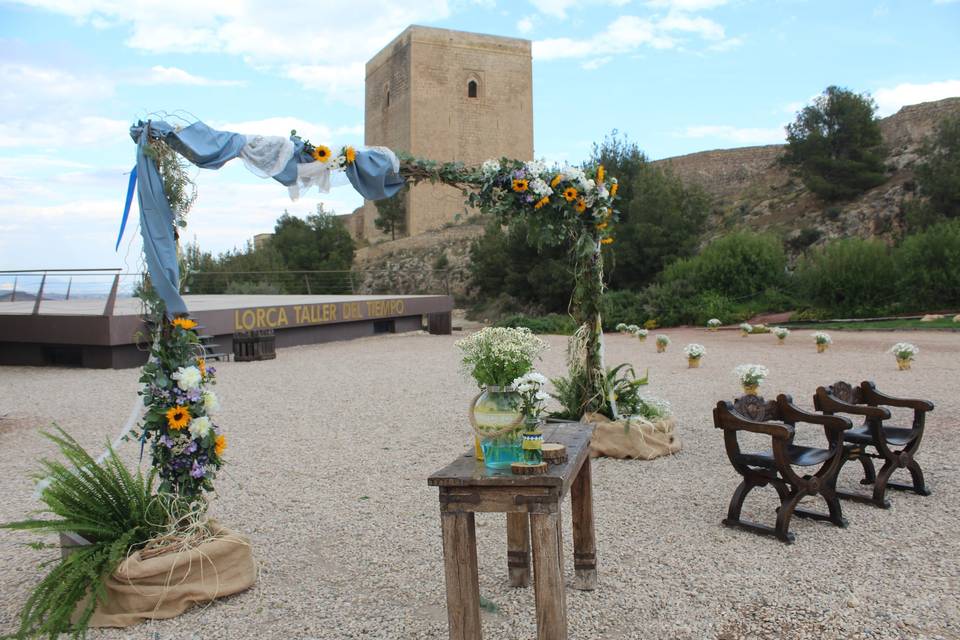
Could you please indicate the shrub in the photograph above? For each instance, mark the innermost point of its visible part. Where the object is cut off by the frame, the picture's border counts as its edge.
(552, 323)
(625, 307)
(851, 276)
(928, 264)
(938, 175)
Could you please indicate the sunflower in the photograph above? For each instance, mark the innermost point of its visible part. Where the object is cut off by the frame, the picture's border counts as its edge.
(581, 205)
(542, 202)
(350, 154)
(321, 153)
(607, 241)
(178, 417)
(570, 194)
(220, 444)
(602, 226)
(184, 323)
(520, 186)
(600, 173)
(202, 365)
(613, 190)
(556, 180)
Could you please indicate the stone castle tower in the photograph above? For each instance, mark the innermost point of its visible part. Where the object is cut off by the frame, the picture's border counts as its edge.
(447, 96)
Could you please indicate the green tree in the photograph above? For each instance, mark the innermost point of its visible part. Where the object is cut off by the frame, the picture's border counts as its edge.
(837, 145)
(851, 277)
(392, 214)
(928, 265)
(318, 243)
(938, 175)
(661, 219)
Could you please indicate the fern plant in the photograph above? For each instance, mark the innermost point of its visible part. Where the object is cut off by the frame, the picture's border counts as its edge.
(112, 508)
(621, 381)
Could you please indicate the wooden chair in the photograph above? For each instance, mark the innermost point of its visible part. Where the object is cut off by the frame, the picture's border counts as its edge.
(778, 419)
(896, 446)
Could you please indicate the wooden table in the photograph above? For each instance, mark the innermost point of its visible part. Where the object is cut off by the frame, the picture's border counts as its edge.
(532, 504)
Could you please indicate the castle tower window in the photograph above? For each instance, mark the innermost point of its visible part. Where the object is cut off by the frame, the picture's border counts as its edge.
(472, 89)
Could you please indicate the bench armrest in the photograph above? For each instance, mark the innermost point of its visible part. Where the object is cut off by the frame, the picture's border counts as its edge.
(725, 417)
(827, 402)
(870, 394)
(793, 413)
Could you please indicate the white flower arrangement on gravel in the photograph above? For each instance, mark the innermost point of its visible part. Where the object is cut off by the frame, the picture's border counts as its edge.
(746, 327)
(781, 333)
(714, 323)
(621, 327)
(904, 350)
(663, 339)
(654, 408)
(821, 337)
(751, 375)
(638, 332)
(695, 351)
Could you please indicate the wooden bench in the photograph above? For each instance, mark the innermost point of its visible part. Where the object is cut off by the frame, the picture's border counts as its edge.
(533, 507)
(895, 445)
(778, 419)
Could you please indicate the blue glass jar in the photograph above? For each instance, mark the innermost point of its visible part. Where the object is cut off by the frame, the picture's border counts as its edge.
(497, 413)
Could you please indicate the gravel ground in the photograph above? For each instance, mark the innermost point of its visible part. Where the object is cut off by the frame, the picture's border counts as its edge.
(331, 445)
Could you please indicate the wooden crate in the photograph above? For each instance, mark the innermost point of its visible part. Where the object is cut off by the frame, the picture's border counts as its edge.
(260, 344)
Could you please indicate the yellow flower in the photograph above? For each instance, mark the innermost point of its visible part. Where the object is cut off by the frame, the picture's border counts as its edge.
(178, 417)
(202, 365)
(613, 190)
(581, 205)
(183, 323)
(600, 173)
(321, 153)
(542, 202)
(519, 186)
(607, 241)
(602, 226)
(350, 154)
(570, 194)
(220, 444)
(556, 180)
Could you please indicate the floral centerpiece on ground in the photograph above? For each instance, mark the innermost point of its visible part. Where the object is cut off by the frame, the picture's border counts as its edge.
(533, 399)
(662, 342)
(745, 329)
(823, 341)
(713, 324)
(186, 445)
(639, 333)
(622, 327)
(781, 333)
(905, 353)
(494, 357)
(750, 376)
(694, 353)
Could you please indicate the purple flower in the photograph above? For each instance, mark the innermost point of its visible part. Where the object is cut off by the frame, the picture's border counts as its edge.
(166, 441)
(528, 198)
(193, 395)
(196, 471)
(192, 447)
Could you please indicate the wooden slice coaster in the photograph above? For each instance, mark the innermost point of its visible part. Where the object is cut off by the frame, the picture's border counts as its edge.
(554, 452)
(522, 469)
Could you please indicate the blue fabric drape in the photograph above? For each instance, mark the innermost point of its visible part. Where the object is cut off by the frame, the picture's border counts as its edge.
(156, 227)
(371, 174)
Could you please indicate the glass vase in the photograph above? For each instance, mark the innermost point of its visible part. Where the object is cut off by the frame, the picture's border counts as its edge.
(532, 441)
(499, 426)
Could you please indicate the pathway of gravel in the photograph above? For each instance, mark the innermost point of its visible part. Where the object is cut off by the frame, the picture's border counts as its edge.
(330, 447)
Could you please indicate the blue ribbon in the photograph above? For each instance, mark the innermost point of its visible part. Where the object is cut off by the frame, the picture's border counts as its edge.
(126, 207)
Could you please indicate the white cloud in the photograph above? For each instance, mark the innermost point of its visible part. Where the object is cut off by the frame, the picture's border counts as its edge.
(323, 46)
(628, 33)
(65, 133)
(738, 135)
(525, 25)
(174, 75)
(945, 1)
(559, 8)
(686, 5)
(595, 63)
(282, 125)
(890, 100)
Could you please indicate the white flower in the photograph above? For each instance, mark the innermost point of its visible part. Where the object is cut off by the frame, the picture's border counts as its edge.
(540, 187)
(586, 185)
(662, 339)
(638, 332)
(822, 337)
(543, 396)
(535, 167)
(714, 322)
(746, 327)
(904, 350)
(490, 168)
(694, 350)
(751, 374)
(211, 404)
(781, 332)
(200, 427)
(621, 326)
(188, 378)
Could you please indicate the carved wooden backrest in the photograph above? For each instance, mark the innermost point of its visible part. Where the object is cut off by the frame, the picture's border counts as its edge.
(845, 392)
(755, 408)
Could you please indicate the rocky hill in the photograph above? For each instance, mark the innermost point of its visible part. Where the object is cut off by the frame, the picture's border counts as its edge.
(751, 189)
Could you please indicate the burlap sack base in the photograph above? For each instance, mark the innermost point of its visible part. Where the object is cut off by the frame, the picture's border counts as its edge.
(165, 586)
(644, 440)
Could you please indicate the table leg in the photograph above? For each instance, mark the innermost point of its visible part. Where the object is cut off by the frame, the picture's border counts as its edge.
(584, 537)
(460, 568)
(548, 577)
(518, 549)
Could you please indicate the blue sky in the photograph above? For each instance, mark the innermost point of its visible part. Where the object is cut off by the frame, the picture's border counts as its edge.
(676, 76)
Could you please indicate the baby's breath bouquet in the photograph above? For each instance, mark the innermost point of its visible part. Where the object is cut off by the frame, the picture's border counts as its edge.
(745, 329)
(713, 324)
(904, 352)
(694, 352)
(781, 333)
(823, 341)
(662, 342)
(638, 332)
(750, 376)
(496, 356)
